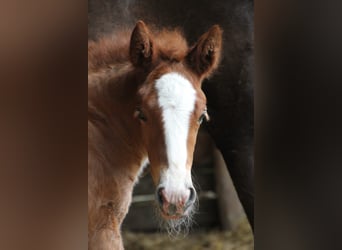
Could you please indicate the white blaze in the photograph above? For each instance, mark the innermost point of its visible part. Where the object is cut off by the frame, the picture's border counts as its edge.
(176, 98)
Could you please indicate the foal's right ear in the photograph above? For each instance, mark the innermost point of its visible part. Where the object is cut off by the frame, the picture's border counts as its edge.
(204, 56)
(140, 50)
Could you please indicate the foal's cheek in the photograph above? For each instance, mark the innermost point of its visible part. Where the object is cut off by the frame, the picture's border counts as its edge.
(192, 137)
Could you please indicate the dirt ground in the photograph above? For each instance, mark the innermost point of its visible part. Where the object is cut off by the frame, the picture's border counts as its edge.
(239, 239)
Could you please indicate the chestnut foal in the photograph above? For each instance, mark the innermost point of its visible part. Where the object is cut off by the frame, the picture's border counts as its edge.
(145, 105)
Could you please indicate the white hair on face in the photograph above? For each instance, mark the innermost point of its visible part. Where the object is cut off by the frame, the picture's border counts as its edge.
(143, 165)
(177, 227)
(176, 98)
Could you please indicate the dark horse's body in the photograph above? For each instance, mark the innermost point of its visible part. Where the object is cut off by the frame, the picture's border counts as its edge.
(229, 92)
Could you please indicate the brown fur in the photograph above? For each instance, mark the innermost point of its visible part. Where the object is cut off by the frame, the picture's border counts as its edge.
(113, 49)
(121, 72)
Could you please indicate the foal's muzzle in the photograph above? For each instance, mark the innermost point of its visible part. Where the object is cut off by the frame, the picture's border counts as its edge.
(174, 205)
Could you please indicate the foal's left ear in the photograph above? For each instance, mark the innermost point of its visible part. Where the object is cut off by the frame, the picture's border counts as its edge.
(204, 56)
(140, 50)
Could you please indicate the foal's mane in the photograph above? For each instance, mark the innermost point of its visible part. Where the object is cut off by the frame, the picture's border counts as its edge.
(112, 49)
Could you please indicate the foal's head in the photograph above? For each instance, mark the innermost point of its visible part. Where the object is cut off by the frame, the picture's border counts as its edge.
(171, 108)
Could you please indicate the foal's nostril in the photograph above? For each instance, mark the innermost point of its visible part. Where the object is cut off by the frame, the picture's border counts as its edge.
(192, 196)
(160, 195)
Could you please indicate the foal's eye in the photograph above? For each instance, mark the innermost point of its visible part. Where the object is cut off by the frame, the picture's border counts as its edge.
(139, 114)
(204, 116)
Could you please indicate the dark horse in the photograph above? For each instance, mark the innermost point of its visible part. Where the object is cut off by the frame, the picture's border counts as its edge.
(229, 92)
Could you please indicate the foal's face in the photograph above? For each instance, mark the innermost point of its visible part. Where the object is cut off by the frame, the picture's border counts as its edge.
(170, 112)
(172, 109)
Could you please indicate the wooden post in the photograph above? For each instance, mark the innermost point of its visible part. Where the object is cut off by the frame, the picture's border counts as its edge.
(230, 208)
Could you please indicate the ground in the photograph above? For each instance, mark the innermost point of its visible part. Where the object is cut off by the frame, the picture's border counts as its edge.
(239, 239)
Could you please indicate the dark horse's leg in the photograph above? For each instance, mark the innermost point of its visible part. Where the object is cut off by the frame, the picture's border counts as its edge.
(239, 162)
(234, 138)
(241, 170)
(230, 101)
(230, 105)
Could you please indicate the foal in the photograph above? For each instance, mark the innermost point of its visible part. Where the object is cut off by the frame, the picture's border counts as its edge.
(145, 104)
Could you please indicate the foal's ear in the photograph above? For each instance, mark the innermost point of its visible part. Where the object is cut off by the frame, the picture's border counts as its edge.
(204, 56)
(140, 50)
